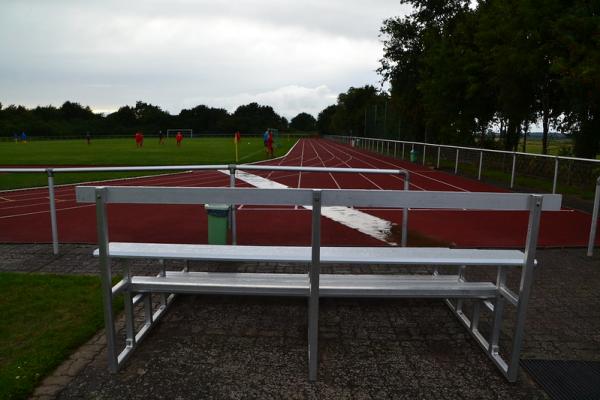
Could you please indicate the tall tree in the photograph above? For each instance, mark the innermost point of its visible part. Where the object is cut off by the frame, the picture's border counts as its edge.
(303, 122)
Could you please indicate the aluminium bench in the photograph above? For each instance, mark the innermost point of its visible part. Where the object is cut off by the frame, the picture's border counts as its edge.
(454, 288)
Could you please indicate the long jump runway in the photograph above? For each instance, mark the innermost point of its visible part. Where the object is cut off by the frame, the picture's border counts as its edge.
(25, 218)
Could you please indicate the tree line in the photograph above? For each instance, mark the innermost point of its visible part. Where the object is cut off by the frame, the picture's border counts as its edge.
(74, 119)
(460, 70)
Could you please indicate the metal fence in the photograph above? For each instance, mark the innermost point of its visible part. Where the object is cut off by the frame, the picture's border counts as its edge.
(232, 168)
(545, 173)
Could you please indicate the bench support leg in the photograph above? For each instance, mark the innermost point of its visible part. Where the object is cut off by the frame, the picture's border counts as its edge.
(313, 301)
(535, 212)
(129, 317)
(313, 338)
(106, 277)
(510, 369)
(498, 310)
(116, 359)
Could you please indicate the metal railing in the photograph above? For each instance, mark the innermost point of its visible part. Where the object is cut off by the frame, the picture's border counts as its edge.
(573, 171)
(232, 168)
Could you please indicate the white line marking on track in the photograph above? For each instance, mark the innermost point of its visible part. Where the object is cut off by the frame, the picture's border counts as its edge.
(412, 172)
(370, 225)
(46, 211)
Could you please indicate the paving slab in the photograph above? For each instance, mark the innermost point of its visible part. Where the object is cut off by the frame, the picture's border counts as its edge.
(218, 347)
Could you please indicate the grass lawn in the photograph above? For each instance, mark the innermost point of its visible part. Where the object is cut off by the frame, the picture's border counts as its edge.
(44, 318)
(554, 145)
(120, 152)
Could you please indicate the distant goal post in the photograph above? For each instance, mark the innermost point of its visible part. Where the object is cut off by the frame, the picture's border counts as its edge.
(185, 132)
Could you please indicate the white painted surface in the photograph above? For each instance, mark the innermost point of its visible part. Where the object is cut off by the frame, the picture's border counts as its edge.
(370, 225)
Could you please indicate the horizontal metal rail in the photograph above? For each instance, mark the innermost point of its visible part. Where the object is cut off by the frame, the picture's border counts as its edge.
(329, 197)
(232, 168)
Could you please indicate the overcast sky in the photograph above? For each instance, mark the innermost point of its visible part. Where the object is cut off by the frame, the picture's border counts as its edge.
(293, 55)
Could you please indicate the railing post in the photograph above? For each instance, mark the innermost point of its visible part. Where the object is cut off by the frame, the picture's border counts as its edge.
(403, 150)
(424, 149)
(395, 149)
(456, 163)
(594, 225)
(512, 174)
(480, 164)
(52, 199)
(555, 180)
(232, 169)
(438, 157)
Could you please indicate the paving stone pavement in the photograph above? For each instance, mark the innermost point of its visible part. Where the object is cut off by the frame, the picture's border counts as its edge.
(219, 347)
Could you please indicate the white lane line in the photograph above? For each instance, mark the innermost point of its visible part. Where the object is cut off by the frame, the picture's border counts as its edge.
(348, 165)
(412, 172)
(373, 166)
(370, 225)
(323, 162)
(46, 211)
(5, 199)
(89, 182)
(25, 205)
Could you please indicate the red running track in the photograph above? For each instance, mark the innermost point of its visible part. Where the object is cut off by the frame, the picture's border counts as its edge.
(24, 216)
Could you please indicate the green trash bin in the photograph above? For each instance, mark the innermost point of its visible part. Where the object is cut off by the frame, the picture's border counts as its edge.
(218, 221)
(413, 155)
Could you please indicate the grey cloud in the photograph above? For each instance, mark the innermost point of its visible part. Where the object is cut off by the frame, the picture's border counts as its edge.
(108, 53)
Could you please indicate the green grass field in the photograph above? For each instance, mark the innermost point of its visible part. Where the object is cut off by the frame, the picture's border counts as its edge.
(555, 146)
(44, 318)
(121, 152)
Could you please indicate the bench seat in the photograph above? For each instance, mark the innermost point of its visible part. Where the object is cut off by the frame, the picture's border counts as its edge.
(331, 285)
(329, 255)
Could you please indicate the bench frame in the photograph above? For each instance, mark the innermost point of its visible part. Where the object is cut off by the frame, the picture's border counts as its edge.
(317, 199)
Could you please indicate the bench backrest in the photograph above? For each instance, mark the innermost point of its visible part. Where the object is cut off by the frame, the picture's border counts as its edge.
(326, 197)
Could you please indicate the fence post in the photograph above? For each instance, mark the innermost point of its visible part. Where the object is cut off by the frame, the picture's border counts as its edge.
(456, 163)
(592, 241)
(438, 157)
(555, 181)
(480, 164)
(232, 169)
(424, 149)
(53, 224)
(403, 150)
(395, 149)
(512, 174)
